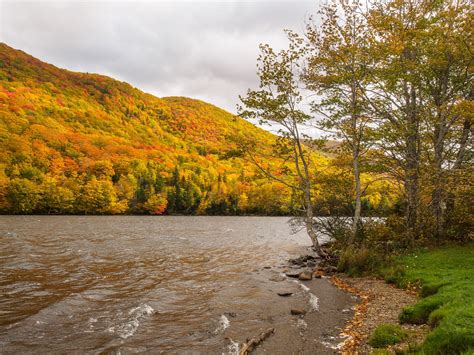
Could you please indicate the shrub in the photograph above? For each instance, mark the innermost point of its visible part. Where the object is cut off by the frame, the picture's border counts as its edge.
(387, 334)
(358, 261)
(394, 275)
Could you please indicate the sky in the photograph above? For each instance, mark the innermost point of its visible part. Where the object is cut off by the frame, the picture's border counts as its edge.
(201, 49)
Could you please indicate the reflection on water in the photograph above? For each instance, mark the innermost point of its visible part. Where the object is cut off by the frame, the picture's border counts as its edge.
(86, 283)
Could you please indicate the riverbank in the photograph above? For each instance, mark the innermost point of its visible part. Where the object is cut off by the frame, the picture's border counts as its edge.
(428, 294)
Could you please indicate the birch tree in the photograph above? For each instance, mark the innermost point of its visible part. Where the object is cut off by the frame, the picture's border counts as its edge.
(278, 102)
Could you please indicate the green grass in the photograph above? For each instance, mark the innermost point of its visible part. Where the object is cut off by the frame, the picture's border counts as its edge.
(446, 277)
(387, 334)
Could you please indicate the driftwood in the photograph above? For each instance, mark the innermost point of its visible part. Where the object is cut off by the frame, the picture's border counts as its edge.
(252, 343)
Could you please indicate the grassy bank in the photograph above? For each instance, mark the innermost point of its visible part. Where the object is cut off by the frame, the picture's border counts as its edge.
(445, 278)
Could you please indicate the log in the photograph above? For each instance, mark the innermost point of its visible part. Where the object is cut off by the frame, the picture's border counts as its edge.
(251, 344)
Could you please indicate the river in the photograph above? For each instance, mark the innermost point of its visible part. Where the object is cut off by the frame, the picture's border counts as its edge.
(143, 284)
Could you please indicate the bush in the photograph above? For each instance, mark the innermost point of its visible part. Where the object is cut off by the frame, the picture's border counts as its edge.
(394, 275)
(387, 334)
(359, 261)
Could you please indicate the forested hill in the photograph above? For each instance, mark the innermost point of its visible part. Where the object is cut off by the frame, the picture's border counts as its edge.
(86, 143)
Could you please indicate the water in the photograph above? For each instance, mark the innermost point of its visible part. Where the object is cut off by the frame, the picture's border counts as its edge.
(133, 284)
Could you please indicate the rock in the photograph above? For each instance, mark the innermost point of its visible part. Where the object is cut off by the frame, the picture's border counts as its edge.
(285, 294)
(294, 274)
(231, 314)
(303, 260)
(318, 274)
(267, 267)
(297, 311)
(277, 278)
(305, 276)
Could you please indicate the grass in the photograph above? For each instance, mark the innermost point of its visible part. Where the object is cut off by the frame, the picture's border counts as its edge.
(387, 334)
(446, 280)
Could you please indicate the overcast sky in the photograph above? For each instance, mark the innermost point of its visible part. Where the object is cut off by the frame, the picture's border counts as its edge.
(200, 49)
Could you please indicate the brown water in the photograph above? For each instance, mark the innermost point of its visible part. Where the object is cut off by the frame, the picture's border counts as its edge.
(133, 284)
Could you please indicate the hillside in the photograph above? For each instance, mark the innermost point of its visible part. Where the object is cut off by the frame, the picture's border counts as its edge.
(85, 143)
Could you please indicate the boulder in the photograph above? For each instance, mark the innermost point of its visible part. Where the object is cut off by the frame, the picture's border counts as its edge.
(305, 275)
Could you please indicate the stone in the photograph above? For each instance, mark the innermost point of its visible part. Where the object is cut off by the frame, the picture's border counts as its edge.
(285, 294)
(318, 274)
(303, 260)
(297, 311)
(305, 276)
(277, 278)
(294, 274)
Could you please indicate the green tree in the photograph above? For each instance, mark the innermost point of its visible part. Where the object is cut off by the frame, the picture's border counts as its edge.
(278, 103)
(337, 71)
(98, 196)
(54, 198)
(23, 195)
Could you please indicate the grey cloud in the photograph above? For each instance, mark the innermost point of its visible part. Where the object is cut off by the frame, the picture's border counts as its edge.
(205, 50)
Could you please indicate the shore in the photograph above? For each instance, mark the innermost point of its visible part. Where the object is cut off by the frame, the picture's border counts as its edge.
(334, 313)
(380, 303)
(307, 316)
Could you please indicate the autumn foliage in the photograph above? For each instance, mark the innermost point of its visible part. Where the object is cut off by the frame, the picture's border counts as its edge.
(88, 144)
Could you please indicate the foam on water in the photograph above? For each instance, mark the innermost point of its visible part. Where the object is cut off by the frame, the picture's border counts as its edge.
(300, 323)
(233, 348)
(223, 324)
(313, 300)
(128, 328)
(336, 346)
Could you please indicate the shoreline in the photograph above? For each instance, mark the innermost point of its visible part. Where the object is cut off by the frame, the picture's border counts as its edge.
(297, 316)
(380, 303)
(375, 302)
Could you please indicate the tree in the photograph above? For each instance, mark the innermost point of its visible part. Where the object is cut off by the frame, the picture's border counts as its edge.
(156, 204)
(22, 195)
(55, 198)
(447, 89)
(278, 102)
(98, 196)
(395, 95)
(420, 90)
(337, 71)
